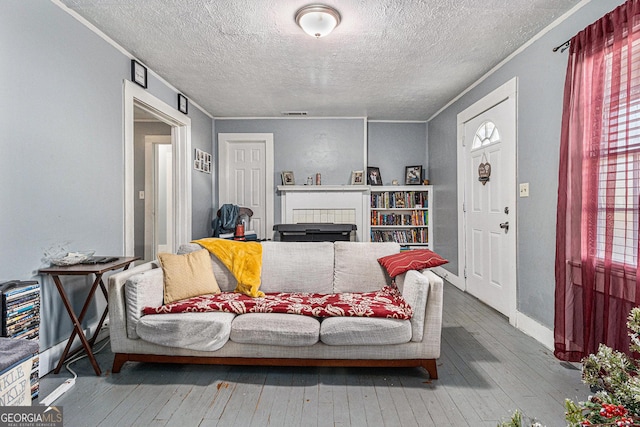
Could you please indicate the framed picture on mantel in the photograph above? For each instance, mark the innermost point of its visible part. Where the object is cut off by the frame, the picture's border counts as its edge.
(357, 177)
(373, 176)
(287, 178)
(413, 175)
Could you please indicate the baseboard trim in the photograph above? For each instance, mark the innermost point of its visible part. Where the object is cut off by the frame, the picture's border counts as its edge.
(449, 277)
(523, 323)
(534, 329)
(49, 358)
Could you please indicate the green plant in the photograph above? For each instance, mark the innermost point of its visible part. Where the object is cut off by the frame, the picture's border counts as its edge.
(517, 420)
(615, 376)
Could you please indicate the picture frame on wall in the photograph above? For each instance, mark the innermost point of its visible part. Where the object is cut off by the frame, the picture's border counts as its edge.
(413, 175)
(183, 104)
(287, 178)
(357, 177)
(202, 161)
(373, 176)
(138, 73)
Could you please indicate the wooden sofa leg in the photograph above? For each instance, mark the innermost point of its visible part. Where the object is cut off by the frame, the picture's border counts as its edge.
(431, 367)
(118, 361)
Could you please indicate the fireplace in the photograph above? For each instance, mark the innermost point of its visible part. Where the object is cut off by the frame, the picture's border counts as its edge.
(338, 204)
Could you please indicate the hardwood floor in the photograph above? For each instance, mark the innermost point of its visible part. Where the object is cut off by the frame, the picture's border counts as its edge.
(487, 369)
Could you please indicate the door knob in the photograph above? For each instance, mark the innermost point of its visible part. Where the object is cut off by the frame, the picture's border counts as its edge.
(505, 226)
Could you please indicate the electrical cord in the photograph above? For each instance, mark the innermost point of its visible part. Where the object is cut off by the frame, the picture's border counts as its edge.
(82, 356)
(66, 386)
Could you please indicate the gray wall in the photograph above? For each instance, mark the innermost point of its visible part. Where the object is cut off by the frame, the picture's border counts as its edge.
(201, 183)
(394, 145)
(61, 161)
(541, 75)
(333, 147)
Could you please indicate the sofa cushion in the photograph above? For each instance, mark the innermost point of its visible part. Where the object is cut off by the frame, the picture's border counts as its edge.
(224, 277)
(414, 287)
(194, 331)
(417, 259)
(187, 275)
(357, 268)
(364, 331)
(297, 267)
(291, 330)
(142, 290)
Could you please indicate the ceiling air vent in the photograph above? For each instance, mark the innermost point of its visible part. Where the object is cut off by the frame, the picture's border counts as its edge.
(295, 113)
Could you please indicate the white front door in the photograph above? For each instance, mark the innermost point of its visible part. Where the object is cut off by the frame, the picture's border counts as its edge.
(246, 177)
(489, 146)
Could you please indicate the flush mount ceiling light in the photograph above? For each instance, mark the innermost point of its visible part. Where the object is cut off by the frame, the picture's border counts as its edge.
(317, 20)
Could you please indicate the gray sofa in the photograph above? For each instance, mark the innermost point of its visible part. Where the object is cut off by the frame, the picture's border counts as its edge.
(282, 339)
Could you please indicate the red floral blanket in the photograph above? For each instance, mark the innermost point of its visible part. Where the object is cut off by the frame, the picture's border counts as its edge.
(387, 302)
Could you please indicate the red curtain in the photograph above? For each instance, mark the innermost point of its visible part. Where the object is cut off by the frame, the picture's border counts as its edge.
(598, 191)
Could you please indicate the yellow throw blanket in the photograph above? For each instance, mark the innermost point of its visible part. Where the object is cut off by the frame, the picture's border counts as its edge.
(243, 259)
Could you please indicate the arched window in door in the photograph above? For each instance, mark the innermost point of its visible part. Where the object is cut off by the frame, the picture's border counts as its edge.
(486, 134)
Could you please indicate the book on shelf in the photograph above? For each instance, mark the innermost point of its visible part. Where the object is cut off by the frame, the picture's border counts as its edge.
(416, 235)
(400, 199)
(415, 218)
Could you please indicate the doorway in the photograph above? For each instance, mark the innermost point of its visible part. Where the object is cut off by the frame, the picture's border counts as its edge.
(179, 204)
(245, 162)
(158, 195)
(487, 187)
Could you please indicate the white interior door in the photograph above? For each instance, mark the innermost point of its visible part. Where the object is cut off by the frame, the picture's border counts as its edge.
(489, 144)
(246, 177)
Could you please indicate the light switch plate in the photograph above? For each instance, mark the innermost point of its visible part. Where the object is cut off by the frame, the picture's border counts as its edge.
(524, 189)
(141, 195)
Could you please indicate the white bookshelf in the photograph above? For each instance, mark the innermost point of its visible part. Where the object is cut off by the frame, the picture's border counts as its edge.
(402, 214)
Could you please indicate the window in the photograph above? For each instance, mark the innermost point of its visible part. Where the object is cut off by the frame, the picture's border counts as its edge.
(619, 165)
(486, 134)
(596, 269)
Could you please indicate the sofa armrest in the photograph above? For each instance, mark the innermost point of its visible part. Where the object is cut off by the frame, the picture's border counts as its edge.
(119, 324)
(423, 291)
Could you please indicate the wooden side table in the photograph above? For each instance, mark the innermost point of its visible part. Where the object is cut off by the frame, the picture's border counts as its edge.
(84, 270)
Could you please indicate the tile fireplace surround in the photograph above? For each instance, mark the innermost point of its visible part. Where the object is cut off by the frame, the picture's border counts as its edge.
(338, 204)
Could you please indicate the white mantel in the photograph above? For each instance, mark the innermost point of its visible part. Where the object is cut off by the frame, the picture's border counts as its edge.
(327, 203)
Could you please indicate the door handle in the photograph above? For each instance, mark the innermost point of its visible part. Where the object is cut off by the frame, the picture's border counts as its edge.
(505, 226)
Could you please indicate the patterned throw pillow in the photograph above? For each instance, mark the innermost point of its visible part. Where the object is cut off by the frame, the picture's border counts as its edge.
(187, 275)
(416, 259)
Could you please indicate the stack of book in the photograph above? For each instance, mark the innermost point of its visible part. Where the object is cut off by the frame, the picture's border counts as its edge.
(21, 318)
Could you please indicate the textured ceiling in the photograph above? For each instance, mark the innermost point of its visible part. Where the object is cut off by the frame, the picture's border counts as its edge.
(387, 60)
